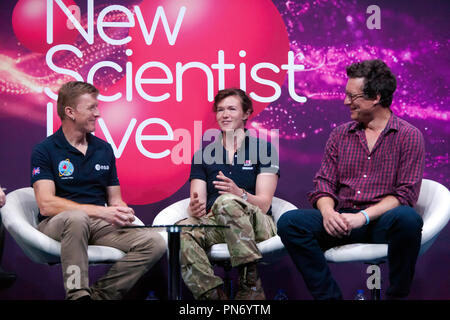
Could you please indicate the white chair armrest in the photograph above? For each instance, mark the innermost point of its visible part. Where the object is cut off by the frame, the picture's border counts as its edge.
(19, 218)
(434, 207)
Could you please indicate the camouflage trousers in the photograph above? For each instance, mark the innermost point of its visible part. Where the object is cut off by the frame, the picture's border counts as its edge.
(248, 226)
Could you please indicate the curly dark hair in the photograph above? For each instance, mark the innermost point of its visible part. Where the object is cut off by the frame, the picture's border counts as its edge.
(378, 80)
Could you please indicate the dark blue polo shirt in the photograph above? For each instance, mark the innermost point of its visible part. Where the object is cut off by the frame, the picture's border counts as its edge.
(255, 156)
(77, 177)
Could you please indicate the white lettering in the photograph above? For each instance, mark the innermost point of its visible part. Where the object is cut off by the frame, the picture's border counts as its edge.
(52, 66)
(221, 66)
(88, 36)
(117, 151)
(160, 14)
(179, 82)
(140, 138)
(291, 67)
(114, 24)
(272, 84)
(139, 81)
(91, 74)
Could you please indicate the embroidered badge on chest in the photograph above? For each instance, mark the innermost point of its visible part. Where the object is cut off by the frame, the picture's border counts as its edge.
(247, 165)
(65, 168)
(99, 167)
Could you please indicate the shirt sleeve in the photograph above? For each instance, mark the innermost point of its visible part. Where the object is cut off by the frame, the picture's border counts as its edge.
(113, 178)
(326, 179)
(197, 168)
(269, 161)
(410, 172)
(41, 165)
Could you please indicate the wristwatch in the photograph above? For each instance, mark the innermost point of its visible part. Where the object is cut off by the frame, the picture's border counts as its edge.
(244, 195)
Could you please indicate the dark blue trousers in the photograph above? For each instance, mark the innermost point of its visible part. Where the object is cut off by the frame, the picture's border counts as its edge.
(306, 240)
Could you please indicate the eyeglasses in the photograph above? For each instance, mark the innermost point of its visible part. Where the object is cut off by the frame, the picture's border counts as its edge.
(353, 97)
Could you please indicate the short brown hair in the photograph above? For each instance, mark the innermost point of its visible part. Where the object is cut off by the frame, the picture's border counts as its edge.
(246, 102)
(69, 93)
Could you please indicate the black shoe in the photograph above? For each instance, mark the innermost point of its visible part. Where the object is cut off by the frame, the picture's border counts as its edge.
(84, 298)
(7, 279)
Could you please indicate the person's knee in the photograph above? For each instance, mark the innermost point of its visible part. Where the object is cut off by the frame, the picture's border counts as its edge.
(408, 219)
(160, 246)
(227, 205)
(186, 221)
(187, 234)
(285, 221)
(293, 220)
(152, 242)
(224, 200)
(74, 219)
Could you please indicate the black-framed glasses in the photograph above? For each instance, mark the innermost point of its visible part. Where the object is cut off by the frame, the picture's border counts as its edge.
(353, 97)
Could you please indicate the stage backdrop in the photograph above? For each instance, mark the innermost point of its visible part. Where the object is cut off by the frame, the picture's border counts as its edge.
(158, 65)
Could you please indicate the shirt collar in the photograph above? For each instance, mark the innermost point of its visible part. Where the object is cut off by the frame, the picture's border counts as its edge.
(393, 124)
(61, 141)
(355, 126)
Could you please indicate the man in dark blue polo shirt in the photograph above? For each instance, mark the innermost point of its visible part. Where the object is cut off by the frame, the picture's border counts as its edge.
(75, 182)
(233, 181)
(56, 159)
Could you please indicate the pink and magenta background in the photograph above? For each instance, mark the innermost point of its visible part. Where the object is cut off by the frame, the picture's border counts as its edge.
(325, 36)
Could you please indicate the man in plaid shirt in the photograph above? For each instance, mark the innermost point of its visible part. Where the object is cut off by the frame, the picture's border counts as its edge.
(365, 189)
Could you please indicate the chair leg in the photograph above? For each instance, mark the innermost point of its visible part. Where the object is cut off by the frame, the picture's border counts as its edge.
(375, 294)
(2, 239)
(228, 283)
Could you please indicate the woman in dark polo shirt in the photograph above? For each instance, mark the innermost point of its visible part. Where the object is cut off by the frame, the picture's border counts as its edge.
(232, 183)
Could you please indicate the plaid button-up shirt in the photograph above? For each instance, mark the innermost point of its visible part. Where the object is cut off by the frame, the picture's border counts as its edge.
(358, 178)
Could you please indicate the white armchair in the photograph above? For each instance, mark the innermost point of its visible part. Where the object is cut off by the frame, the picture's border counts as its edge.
(20, 218)
(434, 207)
(272, 249)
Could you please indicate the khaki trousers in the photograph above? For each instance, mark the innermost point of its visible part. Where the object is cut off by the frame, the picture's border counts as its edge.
(76, 230)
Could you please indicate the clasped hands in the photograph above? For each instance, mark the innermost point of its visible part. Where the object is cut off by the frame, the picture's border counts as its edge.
(120, 216)
(341, 224)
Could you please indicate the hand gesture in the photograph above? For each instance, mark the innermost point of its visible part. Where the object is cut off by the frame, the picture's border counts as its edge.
(226, 185)
(196, 208)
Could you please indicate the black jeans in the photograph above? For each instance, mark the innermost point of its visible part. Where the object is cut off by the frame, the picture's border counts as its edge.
(305, 238)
